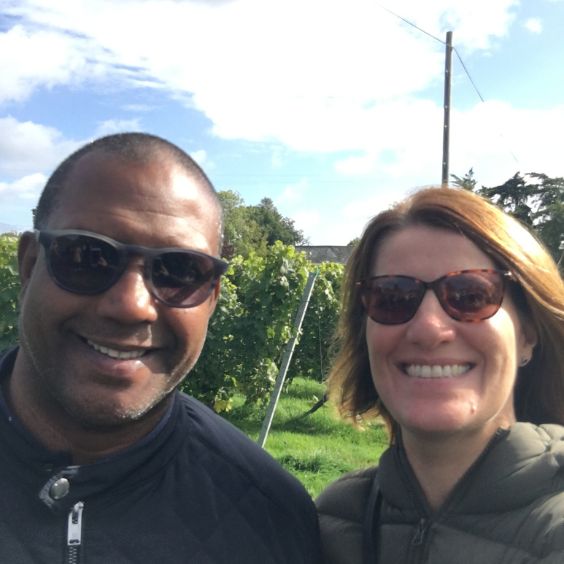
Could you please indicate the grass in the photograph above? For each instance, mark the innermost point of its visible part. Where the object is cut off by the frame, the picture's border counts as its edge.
(317, 448)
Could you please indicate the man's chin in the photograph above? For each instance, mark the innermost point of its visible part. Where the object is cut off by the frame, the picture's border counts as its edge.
(110, 418)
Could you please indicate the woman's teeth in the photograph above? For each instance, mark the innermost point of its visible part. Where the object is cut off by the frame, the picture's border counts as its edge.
(436, 370)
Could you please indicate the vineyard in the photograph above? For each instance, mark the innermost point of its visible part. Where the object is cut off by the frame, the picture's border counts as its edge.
(250, 328)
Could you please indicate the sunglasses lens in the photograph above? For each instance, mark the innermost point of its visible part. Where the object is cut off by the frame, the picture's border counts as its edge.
(472, 296)
(182, 278)
(83, 264)
(90, 264)
(469, 295)
(391, 300)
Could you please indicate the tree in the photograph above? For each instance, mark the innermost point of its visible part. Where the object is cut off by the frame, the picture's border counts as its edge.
(514, 196)
(274, 225)
(254, 228)
(468, 182)
(535, 199)
(242, 232)
(548, 218)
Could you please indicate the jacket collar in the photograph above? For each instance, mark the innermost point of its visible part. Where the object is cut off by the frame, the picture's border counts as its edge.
(40, 468)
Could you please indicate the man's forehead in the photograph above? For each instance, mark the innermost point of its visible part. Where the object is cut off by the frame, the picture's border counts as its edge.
(129, 198)
(157, 165)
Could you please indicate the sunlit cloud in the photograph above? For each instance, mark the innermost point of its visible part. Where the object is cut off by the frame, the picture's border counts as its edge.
(138, 108)
(27, 147)
(534, 25)
(293, 193)
(347, 80)
(111, 126)
(264, 86)
(26, 188)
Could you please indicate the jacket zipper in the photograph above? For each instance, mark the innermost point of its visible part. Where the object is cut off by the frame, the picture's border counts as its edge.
(74, 533)
(421, 537)
(420, 533)
(419, 540)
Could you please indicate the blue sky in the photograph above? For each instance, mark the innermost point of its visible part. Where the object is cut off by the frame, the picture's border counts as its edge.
(331, 108)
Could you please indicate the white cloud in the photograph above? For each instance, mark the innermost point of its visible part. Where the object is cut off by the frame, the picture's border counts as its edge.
(332, 76)
(138, 108)
(356, 165)
(499, 140)
(282, 70)
(45, 58)
(26, 188)
(534, 25)
(27, 147)
(111, 126)
(307, 221)
(293, 193)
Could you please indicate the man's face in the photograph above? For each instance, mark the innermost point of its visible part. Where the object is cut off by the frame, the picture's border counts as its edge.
(108, 359)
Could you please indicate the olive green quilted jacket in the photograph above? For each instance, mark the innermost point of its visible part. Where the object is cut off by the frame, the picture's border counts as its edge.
(507, 509)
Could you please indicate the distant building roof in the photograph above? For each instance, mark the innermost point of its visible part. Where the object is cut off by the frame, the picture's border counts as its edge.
(326, 253)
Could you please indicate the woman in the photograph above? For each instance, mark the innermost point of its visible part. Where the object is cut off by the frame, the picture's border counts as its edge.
(452, 331)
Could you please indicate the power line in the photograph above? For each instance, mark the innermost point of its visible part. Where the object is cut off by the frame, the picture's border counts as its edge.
(468, 75)
(466, 71)
(410, 23)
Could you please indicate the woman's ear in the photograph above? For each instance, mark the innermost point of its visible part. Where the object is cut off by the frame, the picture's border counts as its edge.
(28, 249)
(527, 341)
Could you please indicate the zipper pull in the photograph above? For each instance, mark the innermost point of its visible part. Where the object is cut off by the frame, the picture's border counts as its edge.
(74, 529)
(420, 533)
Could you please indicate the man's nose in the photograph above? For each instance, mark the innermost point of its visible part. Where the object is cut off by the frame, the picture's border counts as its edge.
(129, 300)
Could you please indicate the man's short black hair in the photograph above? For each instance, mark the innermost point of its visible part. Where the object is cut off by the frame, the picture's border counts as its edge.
(134, 146)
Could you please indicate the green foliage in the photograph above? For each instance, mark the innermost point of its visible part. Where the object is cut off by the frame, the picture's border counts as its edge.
(241, 233)
(269, 290)
(255, 320)
(514, 196)
(535, 199)
(254, 228)
(313, 354)
(468, 182)
(9, 290)
(538, 201)
(275, 226)
(215, 376)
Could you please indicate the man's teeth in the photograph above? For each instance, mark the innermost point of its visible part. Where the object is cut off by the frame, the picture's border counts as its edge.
(113, 353)
(436, 370)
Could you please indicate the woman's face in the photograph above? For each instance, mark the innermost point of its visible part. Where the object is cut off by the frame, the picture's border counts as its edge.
(436, 375)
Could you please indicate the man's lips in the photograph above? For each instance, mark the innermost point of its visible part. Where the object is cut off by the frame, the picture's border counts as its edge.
(131, 353)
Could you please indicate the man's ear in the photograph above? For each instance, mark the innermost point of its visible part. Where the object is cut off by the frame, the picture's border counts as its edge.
(28, 249)
(215, 296)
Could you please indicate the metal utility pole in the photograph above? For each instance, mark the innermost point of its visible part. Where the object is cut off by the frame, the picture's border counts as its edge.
(289, 351)
(446, 124)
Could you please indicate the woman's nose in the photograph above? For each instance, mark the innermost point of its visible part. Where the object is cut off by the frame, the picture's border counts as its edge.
(431, 325)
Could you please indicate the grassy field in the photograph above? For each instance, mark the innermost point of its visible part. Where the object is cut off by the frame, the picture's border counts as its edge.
(318, 448)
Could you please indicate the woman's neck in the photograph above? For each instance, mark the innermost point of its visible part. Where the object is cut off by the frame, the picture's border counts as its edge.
(439, 462)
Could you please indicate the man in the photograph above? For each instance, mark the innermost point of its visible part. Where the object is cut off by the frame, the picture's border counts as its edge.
(102, 459)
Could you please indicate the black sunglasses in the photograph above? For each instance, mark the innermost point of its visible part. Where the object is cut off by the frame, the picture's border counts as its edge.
(87, 263)
(466, 295)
